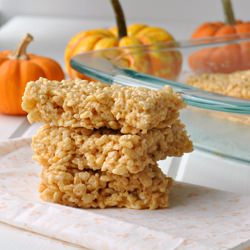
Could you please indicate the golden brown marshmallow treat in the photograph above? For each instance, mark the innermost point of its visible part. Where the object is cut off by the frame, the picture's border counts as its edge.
(97, 189)
(236, 84)
(108, 150)
(94, 105)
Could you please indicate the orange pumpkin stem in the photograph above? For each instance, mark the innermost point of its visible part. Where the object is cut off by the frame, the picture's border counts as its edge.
(20, 52)
(120, 18)
(228, 12)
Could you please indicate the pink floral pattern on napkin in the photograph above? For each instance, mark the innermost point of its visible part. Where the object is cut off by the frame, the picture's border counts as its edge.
(199, 218)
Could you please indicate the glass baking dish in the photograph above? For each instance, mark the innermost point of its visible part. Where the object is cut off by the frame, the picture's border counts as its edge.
(216, 123)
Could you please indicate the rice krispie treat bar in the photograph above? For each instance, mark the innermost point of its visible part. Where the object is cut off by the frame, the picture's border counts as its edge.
(108, 150)
(97, 189)
(235, 84)
(94, 105)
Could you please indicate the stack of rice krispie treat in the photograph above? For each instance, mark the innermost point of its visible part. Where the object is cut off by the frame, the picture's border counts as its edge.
(100, 143)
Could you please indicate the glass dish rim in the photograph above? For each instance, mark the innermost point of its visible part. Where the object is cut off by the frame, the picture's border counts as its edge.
(240, 106)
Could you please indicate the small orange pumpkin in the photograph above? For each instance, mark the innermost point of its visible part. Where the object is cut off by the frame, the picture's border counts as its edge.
(16, 69)
(223, 59)
(165, 64)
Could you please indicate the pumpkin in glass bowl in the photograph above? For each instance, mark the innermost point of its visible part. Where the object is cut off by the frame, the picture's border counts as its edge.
(165, 64)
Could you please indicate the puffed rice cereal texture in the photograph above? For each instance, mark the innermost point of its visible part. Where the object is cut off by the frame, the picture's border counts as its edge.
(93, 105)
(235, 84)
(148, 189)
(106, 149)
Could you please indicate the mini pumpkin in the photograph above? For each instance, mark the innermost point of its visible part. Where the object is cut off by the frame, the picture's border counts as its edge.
(16, 69)
(222, 59)
(165, 64)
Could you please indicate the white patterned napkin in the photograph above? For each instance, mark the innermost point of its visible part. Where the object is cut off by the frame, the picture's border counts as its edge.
(199, 218)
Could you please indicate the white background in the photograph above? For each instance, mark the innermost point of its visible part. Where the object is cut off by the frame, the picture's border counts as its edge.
(185, 13)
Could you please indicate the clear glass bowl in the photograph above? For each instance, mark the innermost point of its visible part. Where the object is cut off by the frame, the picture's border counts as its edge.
(216, 123)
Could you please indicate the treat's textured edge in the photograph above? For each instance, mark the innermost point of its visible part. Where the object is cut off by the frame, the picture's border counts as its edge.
(148, 189)
(93, 105)
(108, 150)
